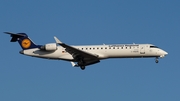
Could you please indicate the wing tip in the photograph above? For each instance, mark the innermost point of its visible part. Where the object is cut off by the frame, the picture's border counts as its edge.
(57, 40)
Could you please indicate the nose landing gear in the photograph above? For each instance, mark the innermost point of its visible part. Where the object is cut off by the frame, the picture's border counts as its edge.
(157, 61)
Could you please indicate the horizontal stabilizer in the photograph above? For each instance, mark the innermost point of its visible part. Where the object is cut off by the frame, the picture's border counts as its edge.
(16, 36)
(24, 41)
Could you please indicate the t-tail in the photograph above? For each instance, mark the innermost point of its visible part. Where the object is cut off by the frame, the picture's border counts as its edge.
(24, 41)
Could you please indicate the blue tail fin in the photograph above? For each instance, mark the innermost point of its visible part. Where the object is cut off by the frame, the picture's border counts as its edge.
(24, 41)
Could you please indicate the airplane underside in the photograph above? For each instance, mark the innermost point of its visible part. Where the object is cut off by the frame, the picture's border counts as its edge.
(82, 64)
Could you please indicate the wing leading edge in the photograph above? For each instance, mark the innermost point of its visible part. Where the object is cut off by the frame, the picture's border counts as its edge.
(82, 57)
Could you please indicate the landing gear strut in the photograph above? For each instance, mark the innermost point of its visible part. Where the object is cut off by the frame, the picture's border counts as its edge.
(157, 61)
(81, 64)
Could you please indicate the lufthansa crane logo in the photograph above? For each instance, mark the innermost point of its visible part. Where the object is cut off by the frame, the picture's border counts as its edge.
(26, 43)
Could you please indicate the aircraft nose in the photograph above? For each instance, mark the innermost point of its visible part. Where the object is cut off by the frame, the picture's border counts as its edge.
(165, 53)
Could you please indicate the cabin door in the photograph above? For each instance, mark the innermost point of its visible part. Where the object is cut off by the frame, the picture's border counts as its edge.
(142, 49)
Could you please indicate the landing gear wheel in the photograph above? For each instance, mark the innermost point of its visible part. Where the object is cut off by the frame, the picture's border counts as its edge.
(81, 64)
(157, 61)
(82, 67)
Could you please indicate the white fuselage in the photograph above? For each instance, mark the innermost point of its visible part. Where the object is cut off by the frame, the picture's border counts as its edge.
(102, 51)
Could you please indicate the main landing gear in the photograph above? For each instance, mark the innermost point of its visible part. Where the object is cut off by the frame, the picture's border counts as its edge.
(82, 67)
(157, 61)
(81, 64)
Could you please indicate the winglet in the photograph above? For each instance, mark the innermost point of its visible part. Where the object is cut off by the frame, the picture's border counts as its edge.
(57, 40)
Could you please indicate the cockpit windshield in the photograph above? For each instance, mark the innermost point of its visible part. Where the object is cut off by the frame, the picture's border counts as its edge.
(154, 47)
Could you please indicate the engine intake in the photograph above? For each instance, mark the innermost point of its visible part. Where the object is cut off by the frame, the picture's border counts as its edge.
(49, 47)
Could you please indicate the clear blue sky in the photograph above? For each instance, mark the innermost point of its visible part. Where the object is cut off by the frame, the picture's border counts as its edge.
(75, 22)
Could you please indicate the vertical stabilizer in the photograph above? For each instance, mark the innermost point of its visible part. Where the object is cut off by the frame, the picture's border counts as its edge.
(24, 41)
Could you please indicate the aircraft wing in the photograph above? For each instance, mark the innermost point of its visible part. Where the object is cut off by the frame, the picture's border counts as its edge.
(88, 58)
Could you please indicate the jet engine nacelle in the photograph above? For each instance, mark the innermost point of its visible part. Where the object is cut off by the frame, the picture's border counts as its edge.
(49, 47)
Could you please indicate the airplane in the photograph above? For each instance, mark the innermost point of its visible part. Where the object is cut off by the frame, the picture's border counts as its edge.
(84, 55)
